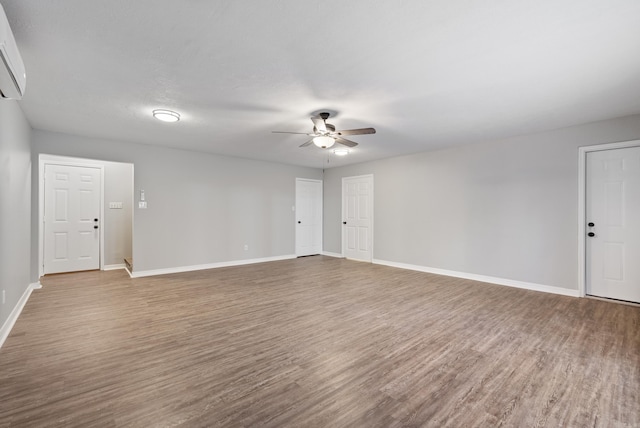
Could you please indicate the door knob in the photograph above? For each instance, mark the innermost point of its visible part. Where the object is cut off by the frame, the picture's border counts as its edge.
(591, 234)
(344, 222)
(95, 227)
(591, 224)
(299, 222)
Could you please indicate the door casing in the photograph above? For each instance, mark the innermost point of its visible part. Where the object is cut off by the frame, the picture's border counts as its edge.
(65, 161)
(320, 202)
(582, 205)
(371, 229)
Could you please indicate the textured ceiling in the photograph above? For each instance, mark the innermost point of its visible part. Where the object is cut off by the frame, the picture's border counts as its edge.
(425, 74)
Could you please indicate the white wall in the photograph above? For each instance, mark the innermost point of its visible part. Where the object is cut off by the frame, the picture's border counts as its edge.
(202, 208)
(118, 223)
(506, 209)
(15, 205)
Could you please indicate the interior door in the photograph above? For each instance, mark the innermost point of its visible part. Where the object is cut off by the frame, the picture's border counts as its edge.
(613, 223)
(72, 201)
(308, 217)
(357, 215)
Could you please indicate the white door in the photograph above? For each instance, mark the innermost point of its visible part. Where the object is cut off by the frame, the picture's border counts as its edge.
(308, 217)
(613, 223)
(72, 199)
(357, 217)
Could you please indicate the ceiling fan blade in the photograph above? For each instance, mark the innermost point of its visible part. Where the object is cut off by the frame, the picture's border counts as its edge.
(308, 143)
(319, 123)
(345, 142)
(361, 131)
(286, 132)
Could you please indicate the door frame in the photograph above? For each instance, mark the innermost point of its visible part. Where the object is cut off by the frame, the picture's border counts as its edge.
(342, 213)
(295, 243)
(44, 160)
(582, 204)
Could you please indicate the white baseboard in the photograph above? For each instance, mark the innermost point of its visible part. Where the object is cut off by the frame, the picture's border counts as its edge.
(330, 254)
(482, 278)
(140, 274)
(114, 267)
(15, 313)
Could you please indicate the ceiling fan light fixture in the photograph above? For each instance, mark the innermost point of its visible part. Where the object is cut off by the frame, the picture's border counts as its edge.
(166, 115)
(341, 152)
(324, 142)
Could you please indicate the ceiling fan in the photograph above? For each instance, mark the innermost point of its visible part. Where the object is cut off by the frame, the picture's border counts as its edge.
(325, 135)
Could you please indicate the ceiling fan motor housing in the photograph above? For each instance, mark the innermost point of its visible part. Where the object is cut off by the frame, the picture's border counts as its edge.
(330, 128)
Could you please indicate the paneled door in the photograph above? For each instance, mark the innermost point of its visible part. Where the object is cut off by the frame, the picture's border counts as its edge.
(72, 199)
(613, 223)
(308, 217)
(357, 217)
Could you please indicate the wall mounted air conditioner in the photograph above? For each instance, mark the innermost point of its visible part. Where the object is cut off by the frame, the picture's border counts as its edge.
(13, 78)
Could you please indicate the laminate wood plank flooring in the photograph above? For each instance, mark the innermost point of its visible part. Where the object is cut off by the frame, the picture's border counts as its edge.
(316, 342)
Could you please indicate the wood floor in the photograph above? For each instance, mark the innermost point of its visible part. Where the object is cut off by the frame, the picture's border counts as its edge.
(316, 342)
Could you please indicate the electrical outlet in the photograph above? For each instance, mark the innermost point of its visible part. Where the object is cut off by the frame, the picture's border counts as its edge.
(246, 247)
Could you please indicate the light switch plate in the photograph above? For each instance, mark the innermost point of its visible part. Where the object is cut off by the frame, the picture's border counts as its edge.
(142, 205)
(115, 205)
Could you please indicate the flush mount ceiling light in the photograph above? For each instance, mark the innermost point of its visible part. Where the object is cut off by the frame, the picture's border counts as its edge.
(341, 152)
(166, 115)
(324, 142)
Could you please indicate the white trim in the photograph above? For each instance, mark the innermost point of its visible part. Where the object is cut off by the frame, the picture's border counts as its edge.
(330, 254)
(133, 214)
(43, 160)
(114, 267)
(295, 217)
(343, 235)
(140, 274)
(17, 310)
(582, 204)
(483, 278)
